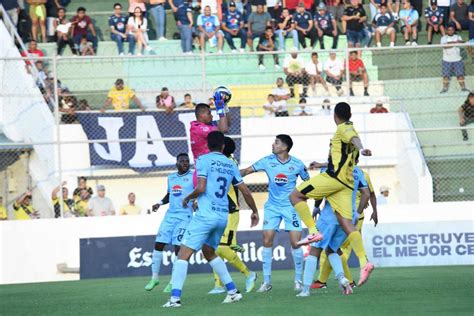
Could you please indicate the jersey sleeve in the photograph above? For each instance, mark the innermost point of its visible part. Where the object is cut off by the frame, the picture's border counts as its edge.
(199, 20)
(259, 165)
(111, 22)
(362, 180)
(304, 172)
(201, 167)
(237, 177)
(369, 182)
(346, 132)
(110, 94)
(131, 93)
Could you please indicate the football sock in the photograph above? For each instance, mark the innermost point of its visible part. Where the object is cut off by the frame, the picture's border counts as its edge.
(156, 263)
(345, 266)
(355, 239)
(178, 277)
(336, 264)
(309, 270)
(219, 267)
(267, 255)
(233, 259)
(298, 259)
(305, 214)
(324, 268)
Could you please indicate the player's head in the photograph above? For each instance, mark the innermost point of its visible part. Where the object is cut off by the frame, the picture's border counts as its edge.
(229, 146)
(283, 143)
(215, 141)
(131, 198)
(203, 113)
(182, 163)
(342, 112)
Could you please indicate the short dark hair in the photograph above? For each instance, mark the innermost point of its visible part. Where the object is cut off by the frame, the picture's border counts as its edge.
(61, 9)
(229, 146)
(181, 155)
(215, 140)
(286, 139)
(302, 100)
(343, 111)
(270, 95)
(314, 54)
(187, 95)
(201, 107)
(83, 178)
(268, 27)
(164, 89)
(353, 52)
(81, 9)
(383, 4)
(117, 4)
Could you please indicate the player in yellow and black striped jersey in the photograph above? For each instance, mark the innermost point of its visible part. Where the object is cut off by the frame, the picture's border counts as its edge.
(228, 245)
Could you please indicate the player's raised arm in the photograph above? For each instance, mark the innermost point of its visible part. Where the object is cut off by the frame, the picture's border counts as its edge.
(244, 189)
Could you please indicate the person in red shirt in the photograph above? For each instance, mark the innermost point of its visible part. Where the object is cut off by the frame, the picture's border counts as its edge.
(358, 72)
(291, 5)
(378, 108)
(81, 23)
(32, 51)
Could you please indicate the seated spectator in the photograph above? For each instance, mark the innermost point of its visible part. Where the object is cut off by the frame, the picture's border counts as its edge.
(42, 72)
(209, 29)
(301, 110)
(314, 68)
(82, 185)
(120, 96)
(158, 13)
(304, 26)
(67, 106)
(165, 101)
(266, 43)
(355, 17)
(334, 70)
(270, 107)
(466, 114)
(257, 25)
(188, 102)
(382, 199)
(85, 48)
(452, 60)
(38, 18)
(286, 28)
(82, 202)
(118, 30)
(184, 22)
(325, 25)
(384, 23)
(68, 204)
(233, 26)
(84, 105)
(130, 208)
(409, 22)
(100, 205)
(133, 4)
(32, 51)
(137, 27)
(459, 15)
(326, 107)
(379, 108)
(23, 209)
(81, 23)
(293, 67)
(13, 10)
(434, 20)
(214, 5)
(358, 73)
(280, 97)
(62, 27)
(374, 6)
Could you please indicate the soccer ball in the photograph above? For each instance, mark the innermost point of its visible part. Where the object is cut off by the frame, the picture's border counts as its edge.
(225, 93)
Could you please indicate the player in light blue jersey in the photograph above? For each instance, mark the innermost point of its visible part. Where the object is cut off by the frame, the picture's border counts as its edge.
(282, 171)
(216, 173)
(173, 226)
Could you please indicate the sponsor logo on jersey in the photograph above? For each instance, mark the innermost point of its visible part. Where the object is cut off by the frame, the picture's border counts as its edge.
(177, 190)
(281, 179)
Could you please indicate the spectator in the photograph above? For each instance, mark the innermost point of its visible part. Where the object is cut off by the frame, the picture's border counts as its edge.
(326, 107)
(256, 3)
(325, 24)
(334, 69)
(82, 202)
(130, 208)
(452, 60)
(32, 51)
(266, 43)
(233, 26)
(382, 199)
(466, 114)
(280, 96)
(291, 5)
(41, 75)
(257, 23)
(85, 48)
(215, 5)
(137, 26)
(81, 23)
(120, 96)
(62, 27)
(379, 108)
(118, 30)
(81, 185)
(355, 16)
(314, 68)
(83, 105)
(434, 20)
(100, 205)
(13, 10)
(336, 8)
(274, 8)
(444, 6)
(358, 73)
(184, 22)
(384, 23)
(286, 28)
(133, 4)
(68, 204)
(67, 106)
(188, 102)
(301, 110)
(459, 15)
(270, 107)
(52, 7)
(23, 209)
(157, 11)
(209, 29)
(293, 67)
(409, 21)
(3, 210)
(304, 26)
(165, 101)
(374, 6)
(38, 18)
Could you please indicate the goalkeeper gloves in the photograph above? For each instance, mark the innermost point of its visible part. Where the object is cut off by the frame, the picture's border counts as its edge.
(220, 104)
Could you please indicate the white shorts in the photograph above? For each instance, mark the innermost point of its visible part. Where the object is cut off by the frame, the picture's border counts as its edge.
(385, 30)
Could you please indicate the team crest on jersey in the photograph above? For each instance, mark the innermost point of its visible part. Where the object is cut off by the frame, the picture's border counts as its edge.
(281, 179)
(177, 190)
(291, 169)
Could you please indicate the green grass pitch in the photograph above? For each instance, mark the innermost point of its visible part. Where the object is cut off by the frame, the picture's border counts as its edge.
(391, 291)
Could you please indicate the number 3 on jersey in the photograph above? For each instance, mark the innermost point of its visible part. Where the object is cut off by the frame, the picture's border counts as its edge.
(221, 193)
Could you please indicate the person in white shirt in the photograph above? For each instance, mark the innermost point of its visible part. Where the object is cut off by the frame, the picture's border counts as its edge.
(293, 67)
(314, 68)
(137, 26)
(302, 110)
(452, 60)
(100, 205)
(382, 199)
(280, 96)
(270, 107)
(334, 69)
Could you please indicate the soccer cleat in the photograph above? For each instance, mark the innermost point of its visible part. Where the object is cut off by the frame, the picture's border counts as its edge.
(168, 288)
(345, 286)
(151, 284)
(250, 282)
(265, 287)
(303, 293)
(172, 303)
(298, 286)
(216, 290)
(310, 239)
(237, 248)
(317, 285)
(365, 273)
(353, 284)
(232, 298)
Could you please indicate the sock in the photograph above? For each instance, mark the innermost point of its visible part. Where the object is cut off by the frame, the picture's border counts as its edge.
(355, 239)
(233, 259)
(365, 89)
(347, 271)
(178, 277)
(298, 258)
(309, 270)
(156, 264)
(324, 268)
(336, 264)
(219, 267)
(305, 215)
(267, 255)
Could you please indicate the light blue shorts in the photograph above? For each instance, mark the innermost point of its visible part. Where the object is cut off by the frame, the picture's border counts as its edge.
(273, 216)
(204, 230)
(172, 229)
(334, 236)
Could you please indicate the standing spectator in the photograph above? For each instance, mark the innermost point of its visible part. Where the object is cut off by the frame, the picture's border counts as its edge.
(3, 210)
(434, 20)
(23, 209)
(293, 67)
(82, 202)
(32, 51)
(301, 110)
(379, 108)
(336, 8)
(233, 26)
(133, 4)
(280, 97)
(445, 6)
(286, 28)
(137, 26)
(81, 185)
(409, 21)
(452, 60)
(257, 23)
(355, 17)
(81, 23)
(314, 68)
(304, 26)
(62, 27)
(384, 23)
(358, 73)
(13, 10)
(270, 107)
(382, 199)
(165, 101)
(157, 11)
(184, 22)
(100, 205)
(209, 29)
(120, 96)
(85, 48)
(188, 102)
(466, 114)
(334, 69)
(274, 8)
(130, 208)
(38, 18)
(68, 204)
(266, 43)
(118, 30)
(325, 25)
(459, 15)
